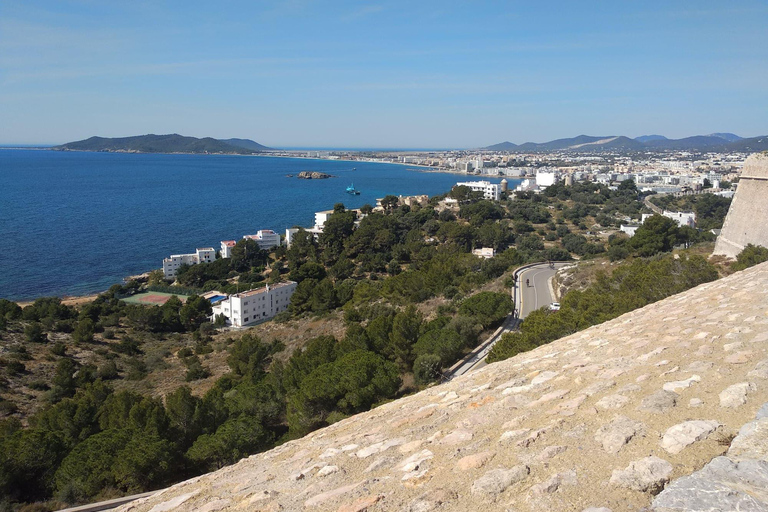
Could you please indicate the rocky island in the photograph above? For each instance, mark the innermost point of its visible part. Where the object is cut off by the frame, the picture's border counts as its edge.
(314, 175)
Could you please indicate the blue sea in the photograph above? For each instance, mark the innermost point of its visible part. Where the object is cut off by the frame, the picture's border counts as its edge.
(73, 223)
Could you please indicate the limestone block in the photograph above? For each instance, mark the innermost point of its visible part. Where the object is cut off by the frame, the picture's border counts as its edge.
(679, 436)
(648, 474)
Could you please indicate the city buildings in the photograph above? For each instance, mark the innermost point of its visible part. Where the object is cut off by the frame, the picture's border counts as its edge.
(253, 306)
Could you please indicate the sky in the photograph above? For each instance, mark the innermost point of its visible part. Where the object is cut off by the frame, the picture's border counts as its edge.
(395, 74)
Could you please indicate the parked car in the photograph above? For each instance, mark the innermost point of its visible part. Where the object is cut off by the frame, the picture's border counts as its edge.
(555, 306)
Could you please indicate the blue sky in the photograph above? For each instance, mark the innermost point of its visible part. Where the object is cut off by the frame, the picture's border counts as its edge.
(381, 74)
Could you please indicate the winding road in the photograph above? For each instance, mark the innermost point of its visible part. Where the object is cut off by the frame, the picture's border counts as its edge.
(527, 299)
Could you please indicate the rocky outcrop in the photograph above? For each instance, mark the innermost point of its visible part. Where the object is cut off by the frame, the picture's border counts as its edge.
(747, 219)
(600, 420)
(309, 175)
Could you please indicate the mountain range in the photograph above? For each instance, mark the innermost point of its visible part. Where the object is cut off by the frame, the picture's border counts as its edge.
(724, 142)
(173, 143)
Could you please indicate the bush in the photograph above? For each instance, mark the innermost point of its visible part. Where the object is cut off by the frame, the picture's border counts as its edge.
(59, 349)
(34, 333)
(137, 369)
(488, 308)
(750, 256)
(107, 371)
(426, 368)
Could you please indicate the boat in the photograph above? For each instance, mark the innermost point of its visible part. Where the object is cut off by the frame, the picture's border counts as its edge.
(289, 175)
(351, 190)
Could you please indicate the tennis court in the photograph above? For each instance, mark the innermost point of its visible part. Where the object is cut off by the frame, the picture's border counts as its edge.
(153, 298)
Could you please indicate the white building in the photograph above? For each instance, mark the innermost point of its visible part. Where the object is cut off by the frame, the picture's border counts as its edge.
(681, 218)
(546, 179)
(266, 238)
(171, 265)
(246, 308)
(321, 217)
(630, 230)
(484, 252)
(490, 190)
(226, 248)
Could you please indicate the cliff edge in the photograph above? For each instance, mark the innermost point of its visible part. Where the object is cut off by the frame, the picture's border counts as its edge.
(600, 420)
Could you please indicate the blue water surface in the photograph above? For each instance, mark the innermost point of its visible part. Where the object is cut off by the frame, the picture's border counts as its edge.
(74, 223)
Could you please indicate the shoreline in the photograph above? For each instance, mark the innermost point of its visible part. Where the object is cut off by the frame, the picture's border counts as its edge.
(76, 300)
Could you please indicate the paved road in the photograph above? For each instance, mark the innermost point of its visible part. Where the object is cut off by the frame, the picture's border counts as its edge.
(538, 293)
(527, 299)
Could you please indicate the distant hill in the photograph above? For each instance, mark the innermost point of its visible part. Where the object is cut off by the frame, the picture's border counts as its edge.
(648, 138)
(502, 146)
(752, 145)
(730, 137)
(246, 144)
(721, 142)
(151, 143)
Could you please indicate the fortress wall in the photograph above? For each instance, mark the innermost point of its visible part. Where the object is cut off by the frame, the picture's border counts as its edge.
(600, 420)
(747, 219)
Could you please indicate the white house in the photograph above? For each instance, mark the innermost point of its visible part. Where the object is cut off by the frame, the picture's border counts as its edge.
(226, 248)
(682, 218)
(546, 179)
(171, 265)
(246, 308)
(321, 217)
(630, 230)
(490, 190)
(266, 238)
(484, 252)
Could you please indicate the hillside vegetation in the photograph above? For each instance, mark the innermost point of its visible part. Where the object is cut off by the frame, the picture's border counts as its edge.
(80, 425)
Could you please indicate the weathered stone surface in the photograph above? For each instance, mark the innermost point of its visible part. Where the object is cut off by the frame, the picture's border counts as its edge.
(553, 483)
(550, 452)
(474, 461)
(322, 498)
(746, 221)
(751, 442)
(426, 451)
(736, 395)
(648, 474)
(173, 503)
(720, 485)
(362, 504)
(497, 480)
(684, 434)
(617, 433)
(678, 385)
(612, 402)
(659, 402)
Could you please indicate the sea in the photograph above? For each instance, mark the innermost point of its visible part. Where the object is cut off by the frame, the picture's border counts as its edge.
(75, 223)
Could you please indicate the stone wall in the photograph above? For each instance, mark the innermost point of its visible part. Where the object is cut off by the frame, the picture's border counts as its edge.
(601, 420)
(747, 219)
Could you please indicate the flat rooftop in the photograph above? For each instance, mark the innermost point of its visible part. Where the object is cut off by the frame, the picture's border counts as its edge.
(251, 293)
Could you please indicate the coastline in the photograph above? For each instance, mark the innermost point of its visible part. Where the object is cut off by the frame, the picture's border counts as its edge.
(88, 294)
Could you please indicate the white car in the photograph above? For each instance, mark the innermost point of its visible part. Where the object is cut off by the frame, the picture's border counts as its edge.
(555, 306)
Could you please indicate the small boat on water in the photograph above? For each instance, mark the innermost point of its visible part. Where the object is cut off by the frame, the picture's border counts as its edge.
(351, 190)
(289, 175)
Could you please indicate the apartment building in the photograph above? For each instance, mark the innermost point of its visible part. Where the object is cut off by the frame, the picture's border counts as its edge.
(247, 308)
(490, 190)
(171, 265)
(266, 238)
